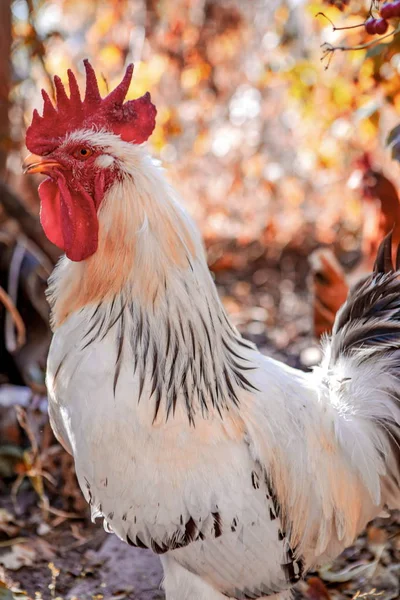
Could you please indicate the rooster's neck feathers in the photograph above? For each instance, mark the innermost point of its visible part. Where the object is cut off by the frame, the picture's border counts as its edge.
(145, 238)
(183, 350)
(148, 285)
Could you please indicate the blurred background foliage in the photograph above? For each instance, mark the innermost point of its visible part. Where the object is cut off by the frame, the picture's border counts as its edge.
(258, 137)
(267, 146)
(270, 142)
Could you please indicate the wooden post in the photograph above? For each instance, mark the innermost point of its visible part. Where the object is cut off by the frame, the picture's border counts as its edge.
(5, 80)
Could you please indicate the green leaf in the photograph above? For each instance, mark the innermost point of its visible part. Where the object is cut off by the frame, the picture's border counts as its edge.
(376, 50)
(11, 594)
(393, 135)
(396, 151)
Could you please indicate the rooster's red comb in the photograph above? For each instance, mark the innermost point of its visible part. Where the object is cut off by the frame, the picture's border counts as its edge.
(134, 120)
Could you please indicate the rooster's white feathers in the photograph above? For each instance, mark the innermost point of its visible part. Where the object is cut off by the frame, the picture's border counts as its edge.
(240, 472)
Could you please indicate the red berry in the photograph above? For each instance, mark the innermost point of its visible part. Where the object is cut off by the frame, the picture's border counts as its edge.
(396, 9)
(381, 26)
(370, 26)
(387, 10)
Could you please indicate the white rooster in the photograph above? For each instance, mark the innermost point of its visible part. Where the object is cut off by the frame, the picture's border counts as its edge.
(241, 472)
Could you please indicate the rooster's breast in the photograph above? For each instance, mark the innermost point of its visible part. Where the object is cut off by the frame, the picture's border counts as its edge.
(192, 491)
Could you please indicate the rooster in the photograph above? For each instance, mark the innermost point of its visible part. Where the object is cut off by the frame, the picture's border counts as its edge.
(239, 471)
(381, 215)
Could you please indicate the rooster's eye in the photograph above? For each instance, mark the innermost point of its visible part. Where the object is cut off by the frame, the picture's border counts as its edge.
(83, 153)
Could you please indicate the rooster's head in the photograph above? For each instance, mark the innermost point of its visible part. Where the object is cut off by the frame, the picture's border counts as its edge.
(79, 144)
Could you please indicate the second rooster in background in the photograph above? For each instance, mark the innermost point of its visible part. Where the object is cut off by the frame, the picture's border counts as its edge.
(330, 282)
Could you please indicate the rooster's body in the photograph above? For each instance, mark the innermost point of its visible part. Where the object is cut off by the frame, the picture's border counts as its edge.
(241, 472)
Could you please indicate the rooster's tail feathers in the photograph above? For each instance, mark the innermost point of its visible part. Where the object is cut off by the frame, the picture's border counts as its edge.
(369, 321)
(361, 376)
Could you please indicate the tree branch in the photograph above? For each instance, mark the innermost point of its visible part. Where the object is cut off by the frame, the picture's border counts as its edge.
(328, 49)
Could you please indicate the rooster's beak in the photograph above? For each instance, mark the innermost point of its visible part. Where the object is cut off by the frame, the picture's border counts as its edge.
(39, 164)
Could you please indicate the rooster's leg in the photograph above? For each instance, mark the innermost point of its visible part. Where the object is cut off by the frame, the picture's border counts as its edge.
(181, 584)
